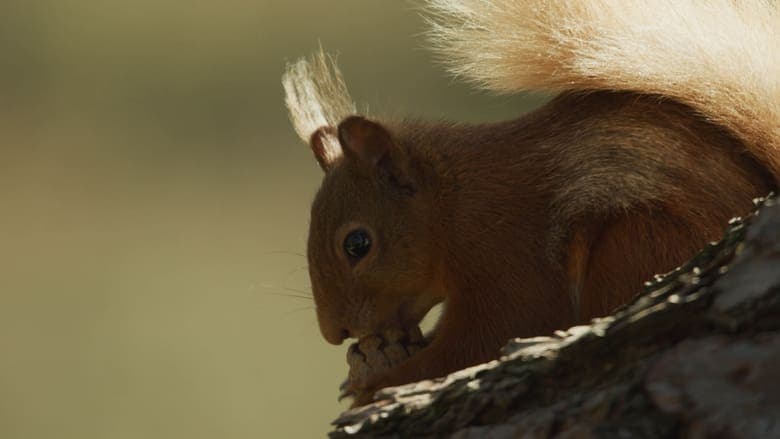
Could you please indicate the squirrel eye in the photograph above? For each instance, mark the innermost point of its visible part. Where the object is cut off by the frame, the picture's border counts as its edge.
(357, 244)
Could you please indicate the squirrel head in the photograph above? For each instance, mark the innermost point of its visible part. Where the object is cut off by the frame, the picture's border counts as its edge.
(372, 251)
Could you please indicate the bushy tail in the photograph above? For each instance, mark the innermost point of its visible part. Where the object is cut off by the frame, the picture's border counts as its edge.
(721, 57)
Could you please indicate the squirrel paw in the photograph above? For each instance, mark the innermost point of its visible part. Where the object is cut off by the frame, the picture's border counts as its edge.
(372, 357)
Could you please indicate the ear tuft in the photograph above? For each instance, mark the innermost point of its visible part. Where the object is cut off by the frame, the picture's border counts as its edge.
(317, 99)
(365, 140)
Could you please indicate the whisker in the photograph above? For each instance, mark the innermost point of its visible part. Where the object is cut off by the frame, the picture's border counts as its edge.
(294, 296)
(295, 270)
(298, 310)
(300, 294)
(294, 290)
(284, 252)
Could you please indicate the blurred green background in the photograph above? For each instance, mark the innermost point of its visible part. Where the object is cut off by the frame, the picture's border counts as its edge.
(154, 209)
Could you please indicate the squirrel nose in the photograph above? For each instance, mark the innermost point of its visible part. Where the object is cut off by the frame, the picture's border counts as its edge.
(336, 337)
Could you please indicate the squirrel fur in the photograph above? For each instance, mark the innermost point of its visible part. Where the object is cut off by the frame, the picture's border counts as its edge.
(666, 125)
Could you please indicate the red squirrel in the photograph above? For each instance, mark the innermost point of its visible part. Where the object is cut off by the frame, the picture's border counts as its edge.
(666, 125)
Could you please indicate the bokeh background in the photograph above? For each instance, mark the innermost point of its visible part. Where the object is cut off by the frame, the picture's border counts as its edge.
(154, 209)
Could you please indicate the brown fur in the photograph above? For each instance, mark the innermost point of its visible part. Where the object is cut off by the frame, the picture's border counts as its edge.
(532, 225)
(595, 192)
(577, 264)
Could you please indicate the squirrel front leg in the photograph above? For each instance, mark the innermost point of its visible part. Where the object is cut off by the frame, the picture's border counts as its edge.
(473, 328)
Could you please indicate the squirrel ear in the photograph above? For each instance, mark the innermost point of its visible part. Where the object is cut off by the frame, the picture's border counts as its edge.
(371, 144)
(325, 147)
(365, 140)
